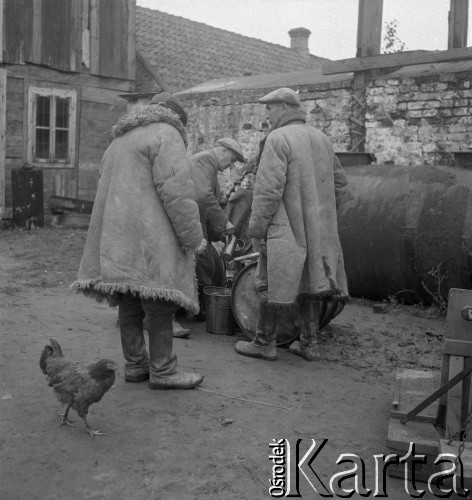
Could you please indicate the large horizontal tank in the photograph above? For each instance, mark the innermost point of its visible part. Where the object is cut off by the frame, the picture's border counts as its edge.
(399, 223)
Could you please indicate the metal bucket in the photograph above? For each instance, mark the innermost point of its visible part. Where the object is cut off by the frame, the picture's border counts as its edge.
(218, 311)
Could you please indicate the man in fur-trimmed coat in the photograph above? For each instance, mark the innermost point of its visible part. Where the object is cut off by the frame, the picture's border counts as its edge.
(294, 218)
(142, 239)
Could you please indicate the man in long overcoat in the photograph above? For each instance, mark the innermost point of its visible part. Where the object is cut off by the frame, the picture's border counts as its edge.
(298, 182)
(142, 239)
(215, 223)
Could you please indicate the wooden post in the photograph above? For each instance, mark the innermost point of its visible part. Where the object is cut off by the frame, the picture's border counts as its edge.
(369, 34)
(132, 39)
(2, 28)
(458, 24)
(369, 28)
(3, 129)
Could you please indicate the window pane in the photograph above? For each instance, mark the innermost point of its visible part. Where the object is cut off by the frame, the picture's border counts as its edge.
(62, 144)
(43, 105)
(42, 144)
(62, 112)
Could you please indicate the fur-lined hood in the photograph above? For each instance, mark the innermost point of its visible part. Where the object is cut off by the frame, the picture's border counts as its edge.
(141, 115)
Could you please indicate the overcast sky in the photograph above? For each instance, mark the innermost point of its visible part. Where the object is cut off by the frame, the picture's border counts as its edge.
(422, 24)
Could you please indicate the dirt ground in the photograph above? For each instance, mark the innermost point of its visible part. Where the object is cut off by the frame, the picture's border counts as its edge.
(176, 445)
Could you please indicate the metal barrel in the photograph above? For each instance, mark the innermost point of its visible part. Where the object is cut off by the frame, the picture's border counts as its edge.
(399, 225)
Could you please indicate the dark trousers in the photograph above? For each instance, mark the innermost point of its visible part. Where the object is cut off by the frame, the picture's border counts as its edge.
(131, 312)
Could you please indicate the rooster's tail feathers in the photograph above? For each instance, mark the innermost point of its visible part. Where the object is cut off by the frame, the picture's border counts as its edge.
(56, 349)
(43, 360)
(50, 351)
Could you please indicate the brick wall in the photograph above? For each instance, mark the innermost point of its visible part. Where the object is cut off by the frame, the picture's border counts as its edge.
(410, 119)
(419, 121)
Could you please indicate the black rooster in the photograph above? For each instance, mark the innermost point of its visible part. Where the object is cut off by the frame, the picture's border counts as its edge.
(76, 384)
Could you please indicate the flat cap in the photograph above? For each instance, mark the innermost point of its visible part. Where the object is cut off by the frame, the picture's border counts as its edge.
(170, 101)
(284, 94)
(231, 144)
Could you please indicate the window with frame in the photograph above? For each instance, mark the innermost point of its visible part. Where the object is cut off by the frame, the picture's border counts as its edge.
(51, 126)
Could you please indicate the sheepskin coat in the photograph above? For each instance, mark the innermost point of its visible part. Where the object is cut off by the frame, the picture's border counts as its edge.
(144, 227)
(208, 191)
(294, 208)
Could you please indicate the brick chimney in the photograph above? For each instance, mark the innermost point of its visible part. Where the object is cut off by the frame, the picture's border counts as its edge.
(299, 40)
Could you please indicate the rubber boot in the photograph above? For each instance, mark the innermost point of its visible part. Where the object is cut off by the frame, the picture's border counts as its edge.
(163, 372)
(263, 345)
(133, 345)
(307, 346)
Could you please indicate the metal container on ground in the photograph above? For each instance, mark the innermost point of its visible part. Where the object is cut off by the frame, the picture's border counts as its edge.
(27, 197)
(218, 311)
(398, 224)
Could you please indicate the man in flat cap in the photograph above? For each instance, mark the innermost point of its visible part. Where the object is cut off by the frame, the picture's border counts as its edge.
(205, 168)
(143, 234)
(293, 217)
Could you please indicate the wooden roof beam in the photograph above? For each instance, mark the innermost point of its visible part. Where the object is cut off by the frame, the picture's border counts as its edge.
(407, 58)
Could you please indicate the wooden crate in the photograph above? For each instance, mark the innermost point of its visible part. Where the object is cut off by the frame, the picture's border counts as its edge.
(412, 387)
(426, 439)
(466, 459)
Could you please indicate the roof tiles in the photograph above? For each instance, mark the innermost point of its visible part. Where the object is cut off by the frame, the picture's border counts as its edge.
(186, 53)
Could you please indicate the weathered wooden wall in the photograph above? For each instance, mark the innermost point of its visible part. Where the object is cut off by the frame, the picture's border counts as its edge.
(99, 107)
(85, 46)
(86, 36)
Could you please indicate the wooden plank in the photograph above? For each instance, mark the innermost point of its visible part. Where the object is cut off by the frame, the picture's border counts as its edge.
(14, 34)
(423, 434)
(113, 53)
(55, 49)
(406, 58)
(456, 327)
(3, 127)
(37, 31)
(75, 183)
(452, 383)
(61, 204)
(458, 347)
(445, 447)
(458, 24)
(103, 96)
(132, 39)
(412, 387)
(2, 28)
(369, 27)
(75, 35)
(442, 406)
(454, 399)
(466, 385)
(426, 439)
(85, 34)
(44, 76)
(94, 23)
(28, 41)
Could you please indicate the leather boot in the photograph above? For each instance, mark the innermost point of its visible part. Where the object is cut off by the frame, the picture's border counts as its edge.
(134, 346)
(263, 346)
(163, 371)
(307, 346)
(178, 331)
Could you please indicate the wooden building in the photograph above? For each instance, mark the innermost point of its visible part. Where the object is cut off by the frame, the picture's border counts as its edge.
(63, 65)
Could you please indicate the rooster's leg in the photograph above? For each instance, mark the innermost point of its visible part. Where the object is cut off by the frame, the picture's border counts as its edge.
(65, 420)
(91, 432)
